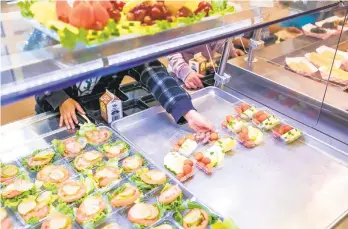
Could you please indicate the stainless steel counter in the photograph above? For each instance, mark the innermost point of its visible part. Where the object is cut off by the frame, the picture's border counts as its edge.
(271, 186)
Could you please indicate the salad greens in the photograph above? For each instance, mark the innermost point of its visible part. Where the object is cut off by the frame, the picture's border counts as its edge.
(106, 147)
(178, 217)
(143, 187)
(65, 209)
(84, 128)
(25, 8)
(58, 146)
(178, 203)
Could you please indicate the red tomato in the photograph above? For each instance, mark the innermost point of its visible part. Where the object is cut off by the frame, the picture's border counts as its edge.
(244, 106)
(187, 169)
(229, 118)
(206, 160)
(188, 162)
(198, 156)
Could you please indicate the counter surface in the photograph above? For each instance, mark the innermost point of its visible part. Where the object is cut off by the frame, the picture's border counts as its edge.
(271, 186)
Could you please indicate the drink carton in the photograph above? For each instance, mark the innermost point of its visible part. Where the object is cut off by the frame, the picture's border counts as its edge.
(198, 63)
(110, 107)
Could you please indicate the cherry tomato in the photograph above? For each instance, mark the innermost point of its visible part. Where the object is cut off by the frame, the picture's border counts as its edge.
(206, 160)
(229, 118)
(187, 169)
(190, 136)
(198, 156)
(181, 141)
(130, 16)
(188, 162)
(244, 107)
(214, 136)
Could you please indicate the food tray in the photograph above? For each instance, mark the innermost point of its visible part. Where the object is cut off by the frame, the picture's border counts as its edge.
(276, 179)
(45, 141)
(278, 136)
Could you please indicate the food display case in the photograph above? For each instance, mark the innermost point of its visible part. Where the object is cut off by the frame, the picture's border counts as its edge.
(280, 111)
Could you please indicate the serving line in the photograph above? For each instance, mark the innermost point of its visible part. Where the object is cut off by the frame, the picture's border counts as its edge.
(302, 185)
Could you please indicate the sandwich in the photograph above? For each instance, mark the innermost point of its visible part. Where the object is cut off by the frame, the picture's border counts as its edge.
(92, 210)
(143, 214)
(124, 196)
(170, 197)
(146, 179)
(133, 163)
(70, 147)
(52, 175)
(39, 159)
(107, 175)
(195, 218)
(19, 189)
(8, 172)
(96, 137)
(57, 221)
(88, 160)
(34, 208)
(115, 150)
(74, 191)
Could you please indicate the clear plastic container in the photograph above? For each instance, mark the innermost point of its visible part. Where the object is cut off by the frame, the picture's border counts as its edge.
(290, 135)
(248, 113)
(270, 120)
(183, 142)
(251, 143)
(181, 177)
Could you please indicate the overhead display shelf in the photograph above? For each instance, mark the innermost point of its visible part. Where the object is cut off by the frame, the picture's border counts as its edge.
(39, 64)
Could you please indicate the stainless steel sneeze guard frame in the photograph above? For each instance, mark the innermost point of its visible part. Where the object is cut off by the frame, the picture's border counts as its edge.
(302, 185)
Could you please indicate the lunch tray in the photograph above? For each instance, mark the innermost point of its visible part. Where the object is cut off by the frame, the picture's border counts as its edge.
(284, 178)
(116, 215)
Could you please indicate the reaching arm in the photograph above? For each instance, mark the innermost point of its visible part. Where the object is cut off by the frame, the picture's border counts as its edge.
(179, 66)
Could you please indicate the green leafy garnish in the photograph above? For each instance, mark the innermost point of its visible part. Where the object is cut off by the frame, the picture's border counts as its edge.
(25, 8)
(106, 147)
(51, 187)
(65, 209)
(84, 128)
(58, 146)
(32, 220)
(212, 217)
(116, 192)
(143, 187)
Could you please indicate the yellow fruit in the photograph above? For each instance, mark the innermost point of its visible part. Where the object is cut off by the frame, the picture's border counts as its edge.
(44, 11)
(174, 5)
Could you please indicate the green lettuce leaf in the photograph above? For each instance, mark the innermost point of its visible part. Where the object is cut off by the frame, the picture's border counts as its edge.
(84, 128)
(59, 146)
(32, 220)
(142, 186)
(51, 187)
(65, 209)
(111, 195)
(212, 217)
(138, 226)
(104, 148)
(25, 8)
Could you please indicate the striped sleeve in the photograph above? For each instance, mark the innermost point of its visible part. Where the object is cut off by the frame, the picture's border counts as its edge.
(155, 77)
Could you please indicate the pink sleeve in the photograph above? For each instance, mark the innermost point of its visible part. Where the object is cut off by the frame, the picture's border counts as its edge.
(218, 47)
(180, 68)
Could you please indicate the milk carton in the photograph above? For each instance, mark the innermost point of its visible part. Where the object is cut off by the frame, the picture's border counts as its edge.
(198, 63)
(110, 107)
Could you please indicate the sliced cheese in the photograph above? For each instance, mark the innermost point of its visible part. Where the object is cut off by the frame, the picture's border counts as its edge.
(91, 156)
(45, 154)
(91, 205)
(58, 222)
(45, 197)
(193, 216)
(116, 149)
(26, 206)
(140, 211)
(126, 193)
(154, 212)
(9, 171)
(111, 226)
(57, 174)
(133, 162)
(156, 175)
(23, 185)
(105, 172)
(71, 189)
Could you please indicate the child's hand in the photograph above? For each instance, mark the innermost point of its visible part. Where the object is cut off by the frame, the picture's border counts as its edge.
(197, 122)
(237, 52)
(193, 80)
(68, 114)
